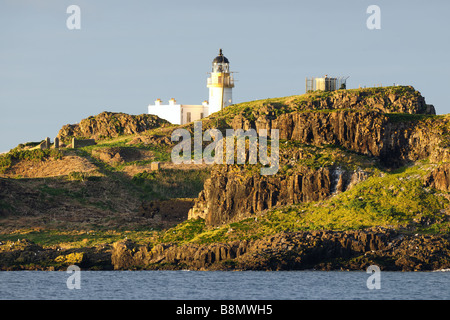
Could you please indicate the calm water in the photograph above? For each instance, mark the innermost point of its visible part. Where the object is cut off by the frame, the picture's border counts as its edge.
(248, 285)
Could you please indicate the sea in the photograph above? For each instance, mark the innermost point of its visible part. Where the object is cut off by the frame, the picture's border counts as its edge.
(223, 285)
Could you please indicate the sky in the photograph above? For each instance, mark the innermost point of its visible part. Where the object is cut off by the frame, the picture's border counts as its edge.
(127, 54)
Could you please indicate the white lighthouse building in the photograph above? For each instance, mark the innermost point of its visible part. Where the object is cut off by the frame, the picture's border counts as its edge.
(220, 84)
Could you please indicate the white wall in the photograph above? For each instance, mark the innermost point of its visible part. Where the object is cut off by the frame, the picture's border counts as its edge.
(171, 113)
(195, 111)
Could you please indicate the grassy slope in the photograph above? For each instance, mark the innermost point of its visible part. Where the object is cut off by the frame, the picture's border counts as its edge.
(109, 189)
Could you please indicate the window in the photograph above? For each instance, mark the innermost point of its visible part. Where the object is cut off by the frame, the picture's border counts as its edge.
(188, 117)
(201, 115)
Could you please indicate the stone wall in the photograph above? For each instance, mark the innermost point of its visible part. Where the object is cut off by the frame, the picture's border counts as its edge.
(82, 143)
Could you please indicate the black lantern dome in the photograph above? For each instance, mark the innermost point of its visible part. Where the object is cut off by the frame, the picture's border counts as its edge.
(220, 58)
(220, 63)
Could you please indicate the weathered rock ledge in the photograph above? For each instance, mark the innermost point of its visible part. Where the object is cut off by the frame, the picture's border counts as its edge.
(319, 250)
(26, 255)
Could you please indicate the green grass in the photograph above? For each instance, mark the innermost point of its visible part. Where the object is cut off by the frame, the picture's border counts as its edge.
(170, 183)
(160, 153)
(321, 157)
(48, 238)
(396, 200)
(184, 232)
(54, 191)
(79, 239)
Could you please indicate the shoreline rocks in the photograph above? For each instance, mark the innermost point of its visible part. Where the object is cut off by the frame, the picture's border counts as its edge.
(317, 250)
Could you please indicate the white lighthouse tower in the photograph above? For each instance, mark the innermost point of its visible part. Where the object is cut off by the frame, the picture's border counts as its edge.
(220, 84)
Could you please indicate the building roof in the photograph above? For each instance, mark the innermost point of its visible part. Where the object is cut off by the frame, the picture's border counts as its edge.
(220, 58)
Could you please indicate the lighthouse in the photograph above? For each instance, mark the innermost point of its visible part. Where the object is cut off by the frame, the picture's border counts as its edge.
(220, 84)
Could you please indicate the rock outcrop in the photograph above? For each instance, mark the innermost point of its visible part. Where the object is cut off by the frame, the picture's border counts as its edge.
(26, 255)
(231, 193)
(398, 99)
(110, 124)
(439, 178)
(394, 141)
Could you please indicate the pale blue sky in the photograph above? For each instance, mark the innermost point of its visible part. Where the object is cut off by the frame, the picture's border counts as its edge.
(128, 53)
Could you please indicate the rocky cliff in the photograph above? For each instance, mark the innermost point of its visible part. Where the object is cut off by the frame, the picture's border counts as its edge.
(110, 124)
(353, 121)
(231, 194)
(393, 139)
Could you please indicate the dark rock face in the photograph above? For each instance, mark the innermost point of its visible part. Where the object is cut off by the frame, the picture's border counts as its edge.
(230, 194)
(366, 132)
(166, 213)
(322, 250)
